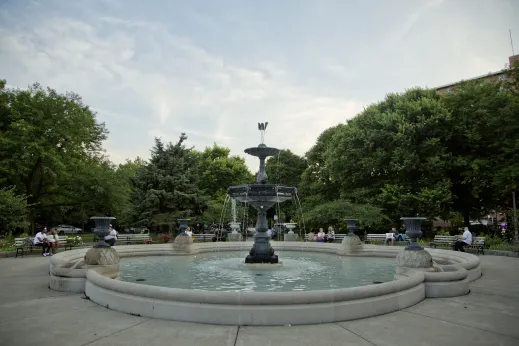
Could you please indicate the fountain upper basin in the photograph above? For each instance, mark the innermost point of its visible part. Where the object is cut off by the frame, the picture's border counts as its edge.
(262, 196)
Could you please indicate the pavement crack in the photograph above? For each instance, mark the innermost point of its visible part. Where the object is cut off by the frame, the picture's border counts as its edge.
(236, 337)
(116, 332)
(461, 324)
(351, 331)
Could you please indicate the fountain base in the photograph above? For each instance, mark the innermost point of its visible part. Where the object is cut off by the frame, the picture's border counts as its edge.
(261, 251)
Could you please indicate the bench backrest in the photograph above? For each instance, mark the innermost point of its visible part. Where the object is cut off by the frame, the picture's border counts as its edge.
(21, 241)
(376, 236)
(134, 236)
(444, 238)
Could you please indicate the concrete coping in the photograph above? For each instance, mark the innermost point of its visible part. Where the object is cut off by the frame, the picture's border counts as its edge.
(256, 298)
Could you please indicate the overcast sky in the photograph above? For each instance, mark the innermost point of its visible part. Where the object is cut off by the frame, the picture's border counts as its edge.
(214, 69)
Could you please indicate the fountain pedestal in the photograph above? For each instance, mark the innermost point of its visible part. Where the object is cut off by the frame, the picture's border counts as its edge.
(351, 243)
(413, 256)
(183, 242)
(262, 251)
(102, 256)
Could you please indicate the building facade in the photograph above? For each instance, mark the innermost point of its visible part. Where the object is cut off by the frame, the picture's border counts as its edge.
(490, 77)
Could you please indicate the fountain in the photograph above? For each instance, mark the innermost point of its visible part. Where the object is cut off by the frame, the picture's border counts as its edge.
(235, 235)
(351, 244)
(261, 196)
(290, 235)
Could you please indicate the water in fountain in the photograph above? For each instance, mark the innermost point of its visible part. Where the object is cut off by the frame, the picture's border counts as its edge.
(262, 196)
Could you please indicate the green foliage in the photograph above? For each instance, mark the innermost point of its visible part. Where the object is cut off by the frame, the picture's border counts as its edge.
(13, 209)
(45, 139)
(333, 213)
(217, 170)
(285, 168)
(166, 188)
(393, 155)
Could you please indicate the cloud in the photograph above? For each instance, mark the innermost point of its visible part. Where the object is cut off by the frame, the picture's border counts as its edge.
(145, 81)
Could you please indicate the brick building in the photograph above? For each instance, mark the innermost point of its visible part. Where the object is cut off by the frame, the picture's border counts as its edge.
(491, 76)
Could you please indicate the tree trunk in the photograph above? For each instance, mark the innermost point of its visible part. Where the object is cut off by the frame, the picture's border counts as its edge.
(32, 220)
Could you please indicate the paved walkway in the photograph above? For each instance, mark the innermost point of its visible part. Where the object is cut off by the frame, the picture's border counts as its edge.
(31, 314)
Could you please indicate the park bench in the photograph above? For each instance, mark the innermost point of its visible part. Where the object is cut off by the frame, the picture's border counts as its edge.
(203, 237)
(478, 243)
(134, 238)
(23, 244)
(63, 242)
(375, 238)
(382, 238)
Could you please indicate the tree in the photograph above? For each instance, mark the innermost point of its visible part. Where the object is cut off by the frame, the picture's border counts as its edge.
(393, 154)
(13, 209)
(484, 146)
(285, 168)
(217, 170)
(44, 138)
(317, 185)
(332, 214)
(166, 188)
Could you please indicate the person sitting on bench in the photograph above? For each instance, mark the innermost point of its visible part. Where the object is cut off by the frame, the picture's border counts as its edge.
(394, 236)
(41, 240)
(111, 238)
(465, 239)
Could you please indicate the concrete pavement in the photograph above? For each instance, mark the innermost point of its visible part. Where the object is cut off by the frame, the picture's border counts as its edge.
(31, 314)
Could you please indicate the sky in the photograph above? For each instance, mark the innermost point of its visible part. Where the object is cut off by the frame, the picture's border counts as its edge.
(214, 69)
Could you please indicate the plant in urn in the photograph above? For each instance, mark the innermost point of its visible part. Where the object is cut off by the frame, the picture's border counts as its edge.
(413, 256)
(351, 244)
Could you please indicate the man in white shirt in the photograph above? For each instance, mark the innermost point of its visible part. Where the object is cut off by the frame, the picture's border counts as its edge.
(40, 239)
(111, 238)
(465, 239)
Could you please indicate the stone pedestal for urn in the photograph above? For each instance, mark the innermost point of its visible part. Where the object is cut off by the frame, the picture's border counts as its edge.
(351, 243)
(235, 235)
(183, 242)
(413, 256)
(102, 257)
(290, 235)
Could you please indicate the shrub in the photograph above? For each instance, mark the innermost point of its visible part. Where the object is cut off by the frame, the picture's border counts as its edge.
(164, 238)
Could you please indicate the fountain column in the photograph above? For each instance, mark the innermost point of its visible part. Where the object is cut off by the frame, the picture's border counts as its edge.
(413, 256)
(351, 243)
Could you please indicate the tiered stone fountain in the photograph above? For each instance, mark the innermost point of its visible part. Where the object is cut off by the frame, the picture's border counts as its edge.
(262, 196)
